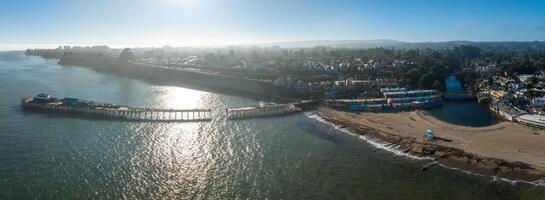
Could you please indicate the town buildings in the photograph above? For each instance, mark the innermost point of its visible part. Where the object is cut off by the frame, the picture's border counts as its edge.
(393, 99)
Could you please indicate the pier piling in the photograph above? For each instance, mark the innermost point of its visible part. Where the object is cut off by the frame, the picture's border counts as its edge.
(133, 114)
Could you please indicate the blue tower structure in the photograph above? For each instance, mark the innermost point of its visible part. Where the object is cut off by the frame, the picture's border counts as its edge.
(455, 89)
(453, 85)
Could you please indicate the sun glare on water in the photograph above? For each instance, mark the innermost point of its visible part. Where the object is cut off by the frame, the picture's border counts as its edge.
(178, 98)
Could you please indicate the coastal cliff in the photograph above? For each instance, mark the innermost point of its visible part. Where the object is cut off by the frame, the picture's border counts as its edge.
(195, 79)
(470, 149)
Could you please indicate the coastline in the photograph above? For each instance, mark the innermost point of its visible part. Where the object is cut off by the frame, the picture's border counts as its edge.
(454, 155)
(468, 151)
(190, 79)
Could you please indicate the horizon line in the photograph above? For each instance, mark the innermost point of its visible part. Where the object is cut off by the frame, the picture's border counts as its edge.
(25, 46)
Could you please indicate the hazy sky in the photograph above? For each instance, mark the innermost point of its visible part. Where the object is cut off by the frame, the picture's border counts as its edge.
(221, 22)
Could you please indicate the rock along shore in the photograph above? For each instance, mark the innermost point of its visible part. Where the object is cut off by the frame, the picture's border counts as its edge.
(463, 151)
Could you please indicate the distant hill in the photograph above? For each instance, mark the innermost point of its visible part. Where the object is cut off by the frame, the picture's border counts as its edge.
(365, 44)
(337, 43)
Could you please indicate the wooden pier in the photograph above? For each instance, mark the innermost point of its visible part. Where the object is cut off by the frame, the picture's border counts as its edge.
(261, 111)
(83, 108)
(128, 113)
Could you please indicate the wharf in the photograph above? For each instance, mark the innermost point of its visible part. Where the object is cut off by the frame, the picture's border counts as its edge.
(126, 113)
(261, 111)
(84, 108)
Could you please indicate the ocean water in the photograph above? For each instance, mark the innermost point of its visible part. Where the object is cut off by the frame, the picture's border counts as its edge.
(294, 157)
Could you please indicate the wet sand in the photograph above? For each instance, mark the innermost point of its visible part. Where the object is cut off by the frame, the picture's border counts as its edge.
(505, 149)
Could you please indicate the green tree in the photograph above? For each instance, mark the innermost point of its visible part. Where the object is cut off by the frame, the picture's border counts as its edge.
(427, 80)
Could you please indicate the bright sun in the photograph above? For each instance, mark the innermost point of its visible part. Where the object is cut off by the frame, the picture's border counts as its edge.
(183, 2)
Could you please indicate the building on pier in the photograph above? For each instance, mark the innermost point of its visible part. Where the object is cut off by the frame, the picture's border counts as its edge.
(88, 108)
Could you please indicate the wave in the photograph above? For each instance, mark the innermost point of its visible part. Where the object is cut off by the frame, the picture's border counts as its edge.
(494, 178)
(395, 149)
(375, 142)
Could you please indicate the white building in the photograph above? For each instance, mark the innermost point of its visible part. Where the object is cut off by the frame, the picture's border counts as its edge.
(535, 120)
(398, 63)
(340, 83)
(524, 78)
(385, 90)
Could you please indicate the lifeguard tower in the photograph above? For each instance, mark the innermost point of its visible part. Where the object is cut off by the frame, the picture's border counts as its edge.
(428, 135)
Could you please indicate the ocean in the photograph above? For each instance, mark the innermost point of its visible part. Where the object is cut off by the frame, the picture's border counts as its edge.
(299, 156)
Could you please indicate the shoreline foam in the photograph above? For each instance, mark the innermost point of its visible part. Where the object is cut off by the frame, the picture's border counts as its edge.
(386, 144)
(375, 142)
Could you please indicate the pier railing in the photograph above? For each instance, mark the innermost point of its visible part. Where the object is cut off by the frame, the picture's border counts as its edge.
(158, 114)
(261, 111)
(136, 114)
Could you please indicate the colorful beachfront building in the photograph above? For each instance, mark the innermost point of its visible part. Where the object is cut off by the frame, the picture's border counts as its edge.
(411, 96)
(394, 99)
(376, 83)
(397, 89)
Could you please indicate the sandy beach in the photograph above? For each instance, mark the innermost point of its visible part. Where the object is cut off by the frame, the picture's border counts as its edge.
(505, 149)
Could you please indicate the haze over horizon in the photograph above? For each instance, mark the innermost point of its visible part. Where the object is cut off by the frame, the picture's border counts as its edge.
(31, 24)
(272, 99)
